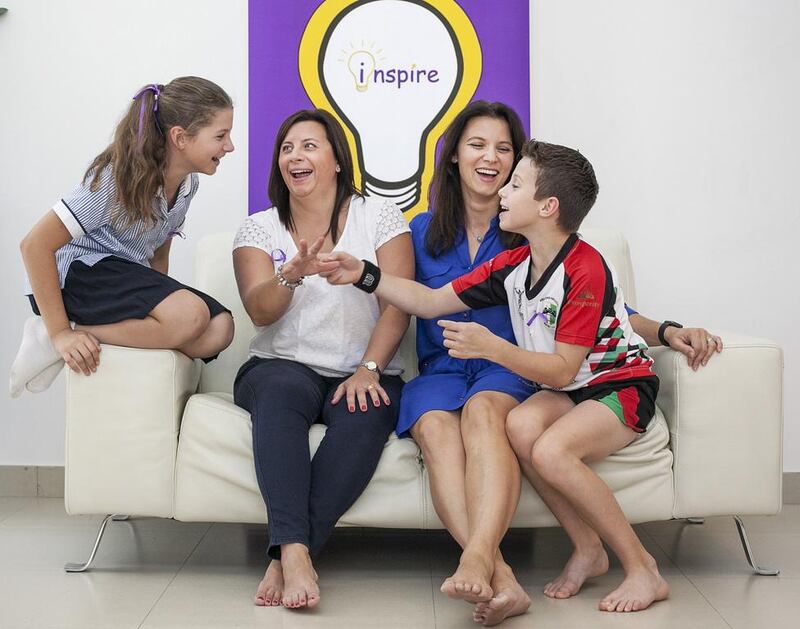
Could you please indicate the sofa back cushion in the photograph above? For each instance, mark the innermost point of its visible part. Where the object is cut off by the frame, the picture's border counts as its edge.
(214, 275)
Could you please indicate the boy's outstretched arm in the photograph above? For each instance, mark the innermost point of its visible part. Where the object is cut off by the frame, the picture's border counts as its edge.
(407, 295)
(472, 340)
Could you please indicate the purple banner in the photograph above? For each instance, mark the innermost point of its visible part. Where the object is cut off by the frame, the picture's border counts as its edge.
(390, 58)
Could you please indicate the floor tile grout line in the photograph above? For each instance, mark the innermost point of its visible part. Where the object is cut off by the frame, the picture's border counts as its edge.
(433, 601)
(8, 515)
(174, 576)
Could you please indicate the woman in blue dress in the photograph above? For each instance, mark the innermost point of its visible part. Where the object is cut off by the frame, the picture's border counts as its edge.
(456, 409)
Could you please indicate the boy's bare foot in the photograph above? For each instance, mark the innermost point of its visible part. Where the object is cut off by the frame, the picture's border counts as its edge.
(470, 581)
(509, 600)
(641, 588)
(300, 587)
(581, 566)
(270, 590)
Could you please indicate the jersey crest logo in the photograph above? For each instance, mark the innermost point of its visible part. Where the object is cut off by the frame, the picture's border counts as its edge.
(547, 311)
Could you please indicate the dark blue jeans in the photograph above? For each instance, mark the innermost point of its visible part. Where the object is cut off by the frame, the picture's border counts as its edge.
(306, 497)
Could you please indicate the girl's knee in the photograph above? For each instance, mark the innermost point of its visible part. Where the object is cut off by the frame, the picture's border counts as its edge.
(222, 329)
(184, 317)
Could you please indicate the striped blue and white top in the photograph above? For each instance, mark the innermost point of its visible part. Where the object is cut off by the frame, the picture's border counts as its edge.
(88, 214)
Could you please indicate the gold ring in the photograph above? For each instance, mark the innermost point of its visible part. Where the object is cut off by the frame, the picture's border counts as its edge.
(372, 386)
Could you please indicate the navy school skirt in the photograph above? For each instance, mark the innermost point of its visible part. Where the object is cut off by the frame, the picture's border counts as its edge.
(114, 289)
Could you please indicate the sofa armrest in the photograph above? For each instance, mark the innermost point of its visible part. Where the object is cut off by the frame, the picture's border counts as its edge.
(122, 431)
(726, 427)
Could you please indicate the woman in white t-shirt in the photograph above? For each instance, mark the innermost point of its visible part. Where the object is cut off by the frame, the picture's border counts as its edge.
(320, 354)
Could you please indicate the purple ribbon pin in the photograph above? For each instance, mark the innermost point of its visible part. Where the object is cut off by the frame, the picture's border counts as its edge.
(534, 317)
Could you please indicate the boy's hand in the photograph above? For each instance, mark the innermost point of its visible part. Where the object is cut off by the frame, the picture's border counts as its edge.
(697, 344)
(469, 340)
(80, 350)
(340, 268)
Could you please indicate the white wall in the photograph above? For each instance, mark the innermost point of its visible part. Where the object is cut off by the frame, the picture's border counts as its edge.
(686, 109)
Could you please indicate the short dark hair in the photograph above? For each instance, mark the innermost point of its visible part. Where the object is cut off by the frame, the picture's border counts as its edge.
(445, 197)
(567, 175)
(345, 178)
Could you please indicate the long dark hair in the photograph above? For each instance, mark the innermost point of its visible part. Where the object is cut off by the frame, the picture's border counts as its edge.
(446, 200)
(138, 153)
(345, 178)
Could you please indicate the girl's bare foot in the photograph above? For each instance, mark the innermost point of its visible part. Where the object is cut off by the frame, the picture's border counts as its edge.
(270, 590)
(581, 566)
(300, 587)
(509, 599)
(641, 588)
(470, 581)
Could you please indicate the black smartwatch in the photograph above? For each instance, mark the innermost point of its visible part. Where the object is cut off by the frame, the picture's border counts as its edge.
(662, 328)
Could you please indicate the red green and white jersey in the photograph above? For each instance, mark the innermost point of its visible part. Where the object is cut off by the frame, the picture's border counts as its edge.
(577, 300)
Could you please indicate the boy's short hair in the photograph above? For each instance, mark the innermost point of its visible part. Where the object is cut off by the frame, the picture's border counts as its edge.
(567, 175)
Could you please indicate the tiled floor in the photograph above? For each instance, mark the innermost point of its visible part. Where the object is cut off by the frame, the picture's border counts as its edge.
(164, 574)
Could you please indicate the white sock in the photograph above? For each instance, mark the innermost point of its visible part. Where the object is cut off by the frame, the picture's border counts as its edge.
(36, 353)
(42, 382)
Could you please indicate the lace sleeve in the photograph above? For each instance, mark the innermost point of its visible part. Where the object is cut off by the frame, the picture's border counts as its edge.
(391, 223)
(252, 234)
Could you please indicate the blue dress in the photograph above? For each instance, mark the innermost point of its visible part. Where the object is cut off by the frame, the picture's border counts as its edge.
(446, 383)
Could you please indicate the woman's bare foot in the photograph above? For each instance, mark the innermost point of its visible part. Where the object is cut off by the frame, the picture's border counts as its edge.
(300, 587)
(270, 590)
(509, 599)
(581, 566)
(470, 581)
(641, 588)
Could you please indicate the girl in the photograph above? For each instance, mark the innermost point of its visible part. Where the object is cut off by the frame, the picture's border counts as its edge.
(97, 262)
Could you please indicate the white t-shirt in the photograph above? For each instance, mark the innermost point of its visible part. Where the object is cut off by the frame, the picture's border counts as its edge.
(325, 327)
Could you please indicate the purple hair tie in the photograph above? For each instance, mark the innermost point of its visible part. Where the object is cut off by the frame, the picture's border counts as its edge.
(157, 92)
(278, 255)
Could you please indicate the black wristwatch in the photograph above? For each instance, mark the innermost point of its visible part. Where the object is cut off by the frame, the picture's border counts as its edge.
(662, 328)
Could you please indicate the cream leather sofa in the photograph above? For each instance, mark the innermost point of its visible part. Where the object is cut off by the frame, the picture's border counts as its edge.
(154, 433)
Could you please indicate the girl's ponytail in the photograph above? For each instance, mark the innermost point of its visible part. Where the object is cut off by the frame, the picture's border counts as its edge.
(138, 152)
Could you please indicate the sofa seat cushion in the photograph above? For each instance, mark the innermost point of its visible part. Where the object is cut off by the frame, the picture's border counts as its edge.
(216, 479)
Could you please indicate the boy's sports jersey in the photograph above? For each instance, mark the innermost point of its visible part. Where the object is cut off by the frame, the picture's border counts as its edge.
(577, 300)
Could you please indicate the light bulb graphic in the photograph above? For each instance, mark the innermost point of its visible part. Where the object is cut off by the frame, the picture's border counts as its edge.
(361, 65)
(391, 70)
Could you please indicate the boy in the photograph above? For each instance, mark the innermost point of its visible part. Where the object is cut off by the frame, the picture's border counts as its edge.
(574, 338)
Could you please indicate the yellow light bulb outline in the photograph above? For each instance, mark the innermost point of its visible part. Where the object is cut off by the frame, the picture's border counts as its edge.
(361, 86)
(309, 65)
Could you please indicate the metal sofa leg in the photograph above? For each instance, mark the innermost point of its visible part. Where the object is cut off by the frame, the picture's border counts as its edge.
(82, 567)
(749, 553)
